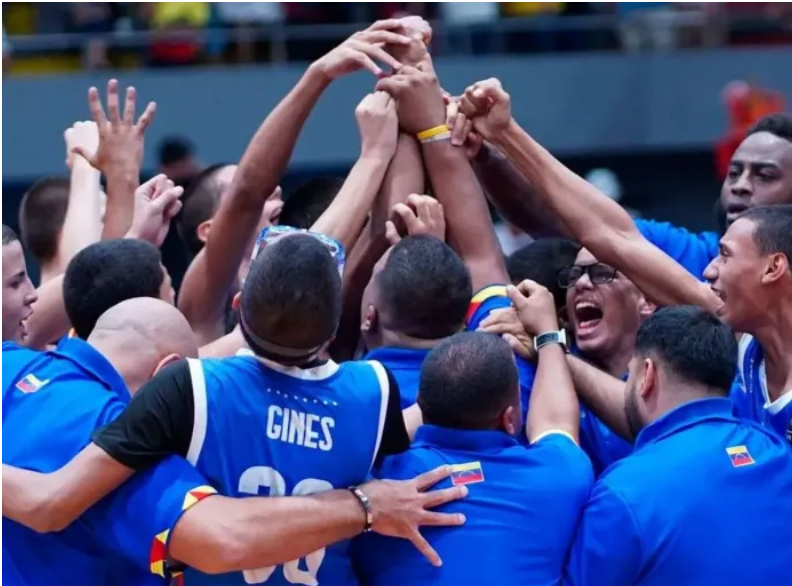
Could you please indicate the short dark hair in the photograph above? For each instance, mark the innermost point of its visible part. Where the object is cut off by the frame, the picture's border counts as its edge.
(106, 273)
(424, 288)
(9, 235)
(772, 228)
(694, 345)
(467, 380)
(779, 125)
(292, 295)
(540, 261)
(200, 202)
(173, 149)
(305, 205)
(41, 216)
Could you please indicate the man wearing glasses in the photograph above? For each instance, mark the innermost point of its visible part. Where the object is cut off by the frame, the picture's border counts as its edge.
(605, 311)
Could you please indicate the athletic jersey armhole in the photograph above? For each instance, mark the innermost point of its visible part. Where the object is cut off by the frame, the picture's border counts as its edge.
(551, 432)
(200, 418)
(382, 378)
(742, 348)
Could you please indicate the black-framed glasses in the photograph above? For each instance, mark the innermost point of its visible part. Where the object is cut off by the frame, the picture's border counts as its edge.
(598, 273)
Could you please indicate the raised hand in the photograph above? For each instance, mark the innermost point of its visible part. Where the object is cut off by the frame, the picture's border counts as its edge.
(419, 97)
(400, 507)
(156, 204)
(421, 216)
(363, 49)
(120, 136)
(535, 306)
(488, 106)
(83, 136)
(505, 322)
(379, 125)
(462, 133)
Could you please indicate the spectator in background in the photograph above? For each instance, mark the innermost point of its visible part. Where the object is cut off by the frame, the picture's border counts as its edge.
(6, 54)
(244, 17)
(177, 160)
(543, 35)
(178, 25)
(468, 25)
(95, 19)
(41, 216)
(647, 25)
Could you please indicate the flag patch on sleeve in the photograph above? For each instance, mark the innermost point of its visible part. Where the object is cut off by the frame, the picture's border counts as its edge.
(469, 473)
(740, 456)
(30, 384)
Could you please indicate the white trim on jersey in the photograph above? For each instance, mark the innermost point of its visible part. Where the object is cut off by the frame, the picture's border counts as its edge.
(772, 407)
(382, 378)
(322, 372)
(200, 413)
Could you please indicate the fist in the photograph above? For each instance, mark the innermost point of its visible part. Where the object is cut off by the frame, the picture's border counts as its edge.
(420, 216)
(83, 136)
(535, 307)
(379, 124)
(488, 107)
(419, 97)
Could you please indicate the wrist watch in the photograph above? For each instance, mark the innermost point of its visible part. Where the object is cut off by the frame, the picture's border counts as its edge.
(547, 338)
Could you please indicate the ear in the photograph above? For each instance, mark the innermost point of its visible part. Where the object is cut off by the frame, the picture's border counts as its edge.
(170, 358)
(203, 230)
(507, 421)
(649, 384)
(236, 302)
(645, 307)
(369, 322)
(777, 266)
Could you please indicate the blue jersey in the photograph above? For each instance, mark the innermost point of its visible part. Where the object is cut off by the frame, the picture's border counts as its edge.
(405, 364)
(52, 403)
(483, 303)
(692, 251)
(750, 396)
(262, 429)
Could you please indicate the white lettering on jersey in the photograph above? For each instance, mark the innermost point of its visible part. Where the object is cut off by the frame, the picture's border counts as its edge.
(303, 429)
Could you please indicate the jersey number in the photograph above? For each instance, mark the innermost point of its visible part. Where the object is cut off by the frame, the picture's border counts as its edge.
(264, 476)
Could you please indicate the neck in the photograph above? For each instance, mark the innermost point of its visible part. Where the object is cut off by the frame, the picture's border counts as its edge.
(615, 361)
(395, 339)
(47, 273)
(775, 337)
(123, 362)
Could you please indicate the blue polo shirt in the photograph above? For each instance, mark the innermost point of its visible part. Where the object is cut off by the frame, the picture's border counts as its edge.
(52, 403)
(704, 500)
(691, 250)
(483, 303)
(522, 508)
(405, 365)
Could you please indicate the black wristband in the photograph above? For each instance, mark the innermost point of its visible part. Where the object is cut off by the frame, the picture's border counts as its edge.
(366, 504)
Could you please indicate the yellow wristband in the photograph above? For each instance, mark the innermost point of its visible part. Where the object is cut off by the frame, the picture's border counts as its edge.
(432, 132)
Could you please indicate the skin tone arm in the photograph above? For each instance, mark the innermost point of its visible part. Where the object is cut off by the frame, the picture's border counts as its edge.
(454, 183)
(222, 535)
(598, 223)
(554, 405)
(602, 393)
(262, 167)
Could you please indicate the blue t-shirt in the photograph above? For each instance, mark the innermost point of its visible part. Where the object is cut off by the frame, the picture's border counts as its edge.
(703, 500)
(521, 509)
(52, 403)
(693, 251)
(405, 365)
(485, 302)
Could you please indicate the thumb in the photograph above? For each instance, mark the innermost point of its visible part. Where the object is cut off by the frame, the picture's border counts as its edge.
(529, 287)
(518, 297)
(78, 150)
(166, 199)
(391, 233)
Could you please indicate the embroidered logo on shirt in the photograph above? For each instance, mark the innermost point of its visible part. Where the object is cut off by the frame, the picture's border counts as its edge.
(31, 384)
(469, 473)
(740, 456)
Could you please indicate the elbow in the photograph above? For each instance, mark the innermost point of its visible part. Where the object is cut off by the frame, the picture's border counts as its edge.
(219, 549)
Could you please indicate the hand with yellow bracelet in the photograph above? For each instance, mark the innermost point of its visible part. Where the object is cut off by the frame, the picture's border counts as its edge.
(419, 98)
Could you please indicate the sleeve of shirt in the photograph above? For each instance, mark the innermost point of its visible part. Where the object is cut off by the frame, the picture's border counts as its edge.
(136, 520)
(157, 423)
(483, 302)
(395, 439)
(607, 549)
(692, 251)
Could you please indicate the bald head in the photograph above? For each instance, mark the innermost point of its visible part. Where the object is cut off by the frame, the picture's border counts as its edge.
(141, 335)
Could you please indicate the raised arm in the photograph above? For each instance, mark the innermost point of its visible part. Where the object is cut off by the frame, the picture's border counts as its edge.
(261, 168)
(599, 223)
(554, 406)
(454, 184)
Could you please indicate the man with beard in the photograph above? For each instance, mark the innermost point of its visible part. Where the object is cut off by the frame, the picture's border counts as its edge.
(698, 474)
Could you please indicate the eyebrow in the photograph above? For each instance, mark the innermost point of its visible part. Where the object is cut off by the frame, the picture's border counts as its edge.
(754, 163)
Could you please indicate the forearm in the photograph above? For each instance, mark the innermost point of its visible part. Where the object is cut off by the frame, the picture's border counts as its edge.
(469, 227)
(223, 347)
(344, 218)
(517, 200)
(554, 405)
(120, 209)
(83, 223)
(223, 535)
(602, 393)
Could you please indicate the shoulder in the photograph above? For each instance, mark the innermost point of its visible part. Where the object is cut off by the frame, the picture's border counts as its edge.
(483, 302)
(407, 465)
(561, 456)
(691, 249)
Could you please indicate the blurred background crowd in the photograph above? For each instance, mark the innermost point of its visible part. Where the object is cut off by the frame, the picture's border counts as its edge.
(646, 99)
